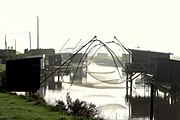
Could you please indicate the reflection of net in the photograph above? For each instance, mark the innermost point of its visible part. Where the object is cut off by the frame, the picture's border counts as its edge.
(106, 77)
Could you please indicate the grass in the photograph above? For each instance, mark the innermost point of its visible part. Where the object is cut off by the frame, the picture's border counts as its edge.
(13, 107)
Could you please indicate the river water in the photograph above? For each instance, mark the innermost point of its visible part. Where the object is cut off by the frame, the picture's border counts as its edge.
(106, 88)
(110, 99)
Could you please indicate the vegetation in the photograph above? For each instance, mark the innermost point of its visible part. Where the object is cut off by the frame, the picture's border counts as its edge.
(15, 107)
(2, 67)
(80, 108)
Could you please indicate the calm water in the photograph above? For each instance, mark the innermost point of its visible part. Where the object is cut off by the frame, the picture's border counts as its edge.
(109, 98)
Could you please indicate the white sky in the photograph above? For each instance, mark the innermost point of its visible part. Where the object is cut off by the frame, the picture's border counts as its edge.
(152, 25)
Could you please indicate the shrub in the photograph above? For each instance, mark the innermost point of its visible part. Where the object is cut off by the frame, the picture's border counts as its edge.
(60, 106)
(81, 108)
(78, 108)
(37, 99)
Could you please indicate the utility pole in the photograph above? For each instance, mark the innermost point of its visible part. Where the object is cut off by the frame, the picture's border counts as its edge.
(37, 32)
(29, 40)
(15, 44)
(5, 43)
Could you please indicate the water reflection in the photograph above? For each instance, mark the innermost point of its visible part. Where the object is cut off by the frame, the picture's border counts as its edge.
(113, 111)
(113, 102)
(140, 107)
(110, 102)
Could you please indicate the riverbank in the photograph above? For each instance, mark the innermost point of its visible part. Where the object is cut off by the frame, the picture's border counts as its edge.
(14, 107)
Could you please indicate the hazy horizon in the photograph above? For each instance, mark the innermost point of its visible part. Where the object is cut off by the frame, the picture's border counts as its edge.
(151, 25)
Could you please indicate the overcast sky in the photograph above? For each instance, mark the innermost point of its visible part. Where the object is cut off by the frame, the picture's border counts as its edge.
(152, 25)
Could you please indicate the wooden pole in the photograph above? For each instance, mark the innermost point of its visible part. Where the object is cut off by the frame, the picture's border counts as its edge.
(131, 85)
(152, 101)
(127, 85)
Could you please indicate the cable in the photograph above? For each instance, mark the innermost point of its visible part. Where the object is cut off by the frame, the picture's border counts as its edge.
(64, 45)
(91, 42)
(66, 61)
(114, 57)
(14, 33)
(132, 56)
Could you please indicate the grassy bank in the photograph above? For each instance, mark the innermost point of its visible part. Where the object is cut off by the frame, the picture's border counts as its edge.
(13, 107)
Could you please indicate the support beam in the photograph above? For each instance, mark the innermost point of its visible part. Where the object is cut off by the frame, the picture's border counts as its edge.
(127, 85)
(152, 102)
(131, 87)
